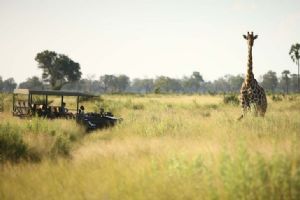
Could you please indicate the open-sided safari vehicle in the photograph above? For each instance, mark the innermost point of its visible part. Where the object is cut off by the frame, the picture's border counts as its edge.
(27, 103)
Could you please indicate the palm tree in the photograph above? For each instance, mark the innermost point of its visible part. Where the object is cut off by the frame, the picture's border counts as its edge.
(295, 55)
(285, 76)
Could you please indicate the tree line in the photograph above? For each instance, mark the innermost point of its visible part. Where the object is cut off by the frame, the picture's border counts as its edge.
(272, 82)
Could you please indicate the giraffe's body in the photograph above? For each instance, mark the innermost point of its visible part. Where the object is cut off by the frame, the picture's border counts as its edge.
(252, 94)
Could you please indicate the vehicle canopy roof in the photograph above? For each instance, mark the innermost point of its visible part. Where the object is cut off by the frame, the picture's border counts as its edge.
(51, 93)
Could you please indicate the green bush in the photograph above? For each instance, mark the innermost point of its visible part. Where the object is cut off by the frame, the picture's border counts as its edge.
(231, 99)
(12, 146)
(212, 93)
(157, 90)
(277, 98)
(89, 98)
(1, 102)
(36, 139)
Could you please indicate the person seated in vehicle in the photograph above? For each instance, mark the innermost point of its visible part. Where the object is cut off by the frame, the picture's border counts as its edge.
(52, 112)
(102, 113)
(33, 109)
(63, 111)
(44, 110)
(55, 111)
(39, 110)
(81, 110)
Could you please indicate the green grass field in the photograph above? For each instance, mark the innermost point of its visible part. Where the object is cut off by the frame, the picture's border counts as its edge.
(167, 147)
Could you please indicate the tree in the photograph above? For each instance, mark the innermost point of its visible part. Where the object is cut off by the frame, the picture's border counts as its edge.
(221, 85)
(270, 81)
(1, 84)
(235, 82)
(58, 69)
(32, 83)
(84, 85)
(193, 83)
(166, 84)
(295, 56)
(142, 85)
(112, 83)
(294, 82)
(196, 80)
(108, 83)
(9, 85)
(123, 83)
(209, 87)
(286, 78)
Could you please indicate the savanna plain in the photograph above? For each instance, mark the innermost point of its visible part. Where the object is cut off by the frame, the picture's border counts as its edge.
(166, 147)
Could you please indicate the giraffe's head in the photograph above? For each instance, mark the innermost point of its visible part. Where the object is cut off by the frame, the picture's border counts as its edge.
(250, 38)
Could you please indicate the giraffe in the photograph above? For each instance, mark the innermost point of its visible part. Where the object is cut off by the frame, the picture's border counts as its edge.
(252, 95)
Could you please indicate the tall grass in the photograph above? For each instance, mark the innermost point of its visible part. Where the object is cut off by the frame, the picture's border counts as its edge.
(168, 147)
(1, 102)
(36, 138)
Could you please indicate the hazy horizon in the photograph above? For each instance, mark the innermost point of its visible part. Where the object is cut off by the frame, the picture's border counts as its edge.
(148, 38)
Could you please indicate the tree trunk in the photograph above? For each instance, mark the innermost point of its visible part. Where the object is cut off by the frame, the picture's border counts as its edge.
(287, 85)
(298, 76)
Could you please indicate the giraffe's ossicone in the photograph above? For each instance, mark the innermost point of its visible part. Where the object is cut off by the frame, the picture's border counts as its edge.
(252, 95)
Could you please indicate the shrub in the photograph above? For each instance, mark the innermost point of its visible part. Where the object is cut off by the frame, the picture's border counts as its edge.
(157, 90)
(12, 146)
(138, 106)
(89, 98)
(212, 93)
(1, 102)
(276, 98)
(231, 99)
(36, 139)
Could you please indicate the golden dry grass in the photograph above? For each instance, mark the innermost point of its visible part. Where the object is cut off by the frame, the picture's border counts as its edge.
(170, 147)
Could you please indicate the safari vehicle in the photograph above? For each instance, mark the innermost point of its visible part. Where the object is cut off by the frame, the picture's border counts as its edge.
(27, 103)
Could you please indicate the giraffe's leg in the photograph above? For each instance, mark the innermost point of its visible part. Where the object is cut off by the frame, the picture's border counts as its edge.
(256, 109)
(262, 114)
(262, 110)
(262, 107)
(245, 106)
(259, 111)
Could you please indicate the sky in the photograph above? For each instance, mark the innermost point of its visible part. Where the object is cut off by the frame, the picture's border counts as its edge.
(148, 38)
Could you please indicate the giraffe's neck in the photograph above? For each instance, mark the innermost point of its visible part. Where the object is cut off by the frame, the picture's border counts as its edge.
(249, 76)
